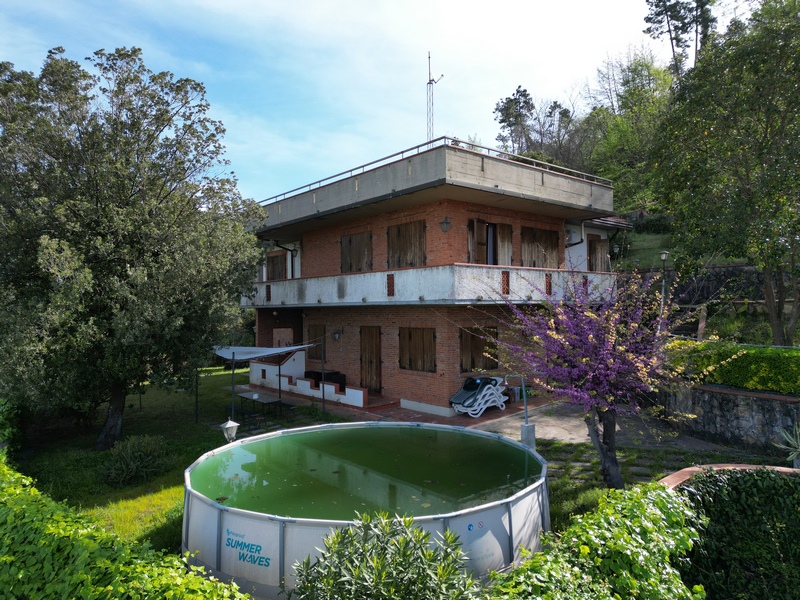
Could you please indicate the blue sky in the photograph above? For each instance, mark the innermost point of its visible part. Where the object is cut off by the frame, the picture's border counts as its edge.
(310, 88)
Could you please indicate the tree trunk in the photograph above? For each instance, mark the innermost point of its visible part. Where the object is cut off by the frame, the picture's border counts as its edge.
(774, 300)
(112, 430)
(604, 439)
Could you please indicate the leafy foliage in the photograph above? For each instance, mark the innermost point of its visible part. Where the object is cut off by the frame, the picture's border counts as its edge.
(124, 252)
(137, 458)
(627, 548)
(749, 368)
(731, 141)
(748, 548)
(632, 95)
(46, 551)
(382, 558)
(599, 348)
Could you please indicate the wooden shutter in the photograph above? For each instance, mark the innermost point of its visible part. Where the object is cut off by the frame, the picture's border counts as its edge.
(478, 241)
(539, 248)
(276, 266)
(597, 253)
(356, 252)
(406, 245)
(504, 244)
(417, 349)
(316, 335)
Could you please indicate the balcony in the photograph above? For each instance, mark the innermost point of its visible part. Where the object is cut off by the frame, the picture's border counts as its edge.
(458, 284)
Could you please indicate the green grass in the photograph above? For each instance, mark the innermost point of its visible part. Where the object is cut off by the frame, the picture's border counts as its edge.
(66, 467)
(574, 471)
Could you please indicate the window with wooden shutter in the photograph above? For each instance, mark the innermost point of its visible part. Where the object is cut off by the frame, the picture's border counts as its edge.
(276, 266)
(539, 248)
(597, 259)
(316, 335)
(478, 349)
(406, 245)
(489, 243)
(356, 252)
(417, 348)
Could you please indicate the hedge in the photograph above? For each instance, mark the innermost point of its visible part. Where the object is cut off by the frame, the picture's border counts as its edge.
(748, 545)
(627, 548)
(758, 369)
(49, 551)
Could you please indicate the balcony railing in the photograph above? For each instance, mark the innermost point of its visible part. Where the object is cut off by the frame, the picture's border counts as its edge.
(441, 141)
(451, 284)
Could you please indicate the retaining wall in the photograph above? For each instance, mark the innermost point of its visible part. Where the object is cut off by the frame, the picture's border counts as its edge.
(733, 417)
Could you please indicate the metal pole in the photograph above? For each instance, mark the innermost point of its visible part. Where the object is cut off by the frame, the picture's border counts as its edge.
(322, 381)
(233, 383)
(527, 430)
(663, 255)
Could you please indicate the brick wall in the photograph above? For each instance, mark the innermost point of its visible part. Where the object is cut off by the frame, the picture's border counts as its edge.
(321, 250)
(436, 388)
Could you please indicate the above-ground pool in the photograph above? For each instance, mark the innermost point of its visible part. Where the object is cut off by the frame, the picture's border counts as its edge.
(255, 507)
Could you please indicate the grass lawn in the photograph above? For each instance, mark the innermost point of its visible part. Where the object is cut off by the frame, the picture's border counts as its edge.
(66, 467)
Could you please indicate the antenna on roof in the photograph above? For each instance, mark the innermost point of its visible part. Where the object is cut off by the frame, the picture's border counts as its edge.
(431, 81)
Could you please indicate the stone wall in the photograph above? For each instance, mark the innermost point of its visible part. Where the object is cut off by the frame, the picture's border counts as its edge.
(733, 417)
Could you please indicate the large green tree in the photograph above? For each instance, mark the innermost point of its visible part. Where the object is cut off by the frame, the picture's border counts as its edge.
(727, 161)
(124, 245)
(631, 96)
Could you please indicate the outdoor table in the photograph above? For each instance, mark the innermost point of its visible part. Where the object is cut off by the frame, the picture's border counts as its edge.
(257, 397)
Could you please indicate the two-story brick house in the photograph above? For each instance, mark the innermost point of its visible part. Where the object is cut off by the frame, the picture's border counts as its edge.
(399, 270)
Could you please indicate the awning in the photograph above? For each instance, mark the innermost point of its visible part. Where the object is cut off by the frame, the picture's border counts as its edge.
(245, 353)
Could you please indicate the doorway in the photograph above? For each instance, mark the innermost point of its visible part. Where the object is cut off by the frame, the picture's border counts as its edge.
(371, 359)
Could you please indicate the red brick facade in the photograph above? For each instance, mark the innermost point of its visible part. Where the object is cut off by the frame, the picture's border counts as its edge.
(320, 255)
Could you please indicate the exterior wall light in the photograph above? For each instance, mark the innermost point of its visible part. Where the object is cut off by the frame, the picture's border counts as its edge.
(445, 224)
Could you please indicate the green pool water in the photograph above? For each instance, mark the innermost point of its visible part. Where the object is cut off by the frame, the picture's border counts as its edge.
(334, 473)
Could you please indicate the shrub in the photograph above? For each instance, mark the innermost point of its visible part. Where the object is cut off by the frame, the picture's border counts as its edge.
(749, 368)
(9, 436)
(137, 459)
(382, 558)
(748, 547)
(626, 548)
(48, 551)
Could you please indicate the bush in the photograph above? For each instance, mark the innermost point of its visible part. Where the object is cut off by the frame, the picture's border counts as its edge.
(627, 548)
(137, 459)
(47, 551)
(762, 369)
(748, 547)
(382, 558)
(9, 435)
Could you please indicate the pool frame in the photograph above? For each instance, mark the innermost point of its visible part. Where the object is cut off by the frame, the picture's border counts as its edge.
(491, 534)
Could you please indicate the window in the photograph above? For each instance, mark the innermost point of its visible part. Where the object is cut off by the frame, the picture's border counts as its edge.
(276, 266)
(316, 335)
(539, 248)
(356, 252)
(597, 258)
(478, 349)
(418, 349)
(406, 245)
(489, 243)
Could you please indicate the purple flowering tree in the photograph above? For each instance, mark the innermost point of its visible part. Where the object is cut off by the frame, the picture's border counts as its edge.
(601, 349)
